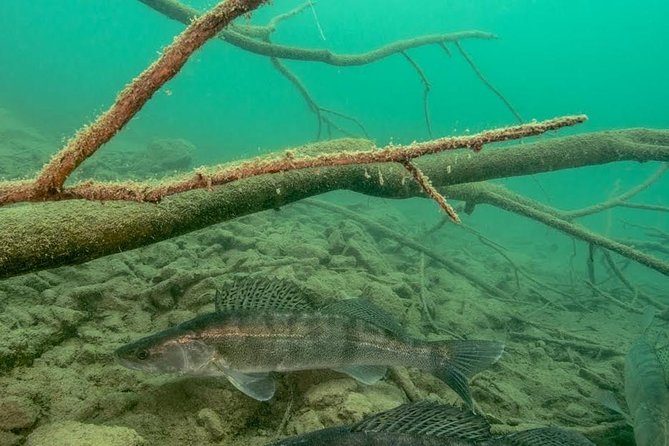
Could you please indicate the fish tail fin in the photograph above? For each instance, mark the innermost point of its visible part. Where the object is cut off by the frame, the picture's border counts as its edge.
(462, 359)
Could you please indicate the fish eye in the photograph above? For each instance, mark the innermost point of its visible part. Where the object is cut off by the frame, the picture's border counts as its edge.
(142, 355)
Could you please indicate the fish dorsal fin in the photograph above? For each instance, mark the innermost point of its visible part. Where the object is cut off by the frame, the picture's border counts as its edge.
(255, 294)
(548, 436)
(428, 419)
(363, 309)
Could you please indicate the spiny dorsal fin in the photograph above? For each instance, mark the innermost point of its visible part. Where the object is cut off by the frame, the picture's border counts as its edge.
(548, 436)
(427, 418)
(256, 294)
(364, 309)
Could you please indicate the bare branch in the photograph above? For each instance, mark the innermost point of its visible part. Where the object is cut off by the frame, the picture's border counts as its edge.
(205, 179)
(487, 83)
(620, 199)
(90, 138)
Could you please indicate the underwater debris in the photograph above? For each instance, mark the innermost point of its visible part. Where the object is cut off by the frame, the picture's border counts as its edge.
(427, 423)
(265, 326)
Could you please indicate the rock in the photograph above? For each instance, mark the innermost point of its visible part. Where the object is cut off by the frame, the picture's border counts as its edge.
(69, 433)
(356, 407)
(9, 439)
(308, 421)
(576, 410)
(339, 261)
(212, 422)
(17, 413)
(170, 154)
(329, 393)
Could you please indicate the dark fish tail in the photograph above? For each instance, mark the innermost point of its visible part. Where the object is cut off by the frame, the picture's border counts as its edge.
(461, 360)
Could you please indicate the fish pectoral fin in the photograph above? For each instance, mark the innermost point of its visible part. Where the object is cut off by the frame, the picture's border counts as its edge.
(259, 386)
(366, 374)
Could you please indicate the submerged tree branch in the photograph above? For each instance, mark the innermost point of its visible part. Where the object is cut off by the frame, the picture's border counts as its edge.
(205, 179)
(249, 38)
(256, 39)
(133, 97)
(45, 235)
(502, 198)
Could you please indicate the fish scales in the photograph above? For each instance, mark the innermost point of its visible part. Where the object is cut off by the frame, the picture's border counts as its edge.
(288, 342)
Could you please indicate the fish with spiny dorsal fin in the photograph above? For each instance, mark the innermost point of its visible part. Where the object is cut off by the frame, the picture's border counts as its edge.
(262, 327)
(431, 424)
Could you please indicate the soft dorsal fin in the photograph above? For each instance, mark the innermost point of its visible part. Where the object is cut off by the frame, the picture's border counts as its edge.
(256, 294)
(364, 309)
(428, 419)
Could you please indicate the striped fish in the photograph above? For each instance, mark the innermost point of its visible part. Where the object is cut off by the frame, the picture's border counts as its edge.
(263, 326)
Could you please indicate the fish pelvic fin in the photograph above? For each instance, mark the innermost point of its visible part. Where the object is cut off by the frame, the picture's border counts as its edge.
(366, 374)
(259, 386)
(462, 360)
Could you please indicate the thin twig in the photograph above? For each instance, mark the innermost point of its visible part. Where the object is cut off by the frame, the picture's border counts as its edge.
(619, 274)
(620, 199)
(610, 298)
(487, 83)
(236, 36)
(425, 184)
(426, 90)
(645, 207)
(449, 264)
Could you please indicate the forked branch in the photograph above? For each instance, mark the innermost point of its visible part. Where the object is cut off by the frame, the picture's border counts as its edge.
(204, 179)
(133, 97)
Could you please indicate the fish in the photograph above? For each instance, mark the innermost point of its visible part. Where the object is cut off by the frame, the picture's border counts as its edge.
(646, 388)
(647, 395)
(426, 423)
(261, 326)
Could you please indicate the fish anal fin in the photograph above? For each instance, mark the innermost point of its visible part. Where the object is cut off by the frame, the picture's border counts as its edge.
(462, 360)
(366, 374)
(607, 399)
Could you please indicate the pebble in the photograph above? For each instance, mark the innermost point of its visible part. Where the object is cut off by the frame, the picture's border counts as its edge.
(212, 423)
(17, 413)
(69, 433)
